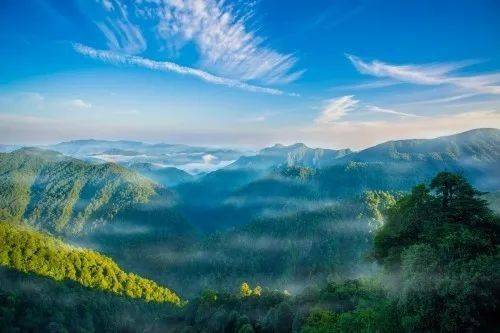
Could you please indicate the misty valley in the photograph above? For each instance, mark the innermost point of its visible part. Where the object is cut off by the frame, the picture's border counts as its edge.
(125, 236)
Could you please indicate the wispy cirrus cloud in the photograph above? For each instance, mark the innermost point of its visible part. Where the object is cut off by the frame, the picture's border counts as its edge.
(220, 32)
(222, 37)
(121, 34)
(166, 66)
(377, 109)
(430, 74)
(336, 109)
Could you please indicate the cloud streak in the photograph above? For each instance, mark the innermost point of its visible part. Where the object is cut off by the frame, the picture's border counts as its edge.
(225, 40)
(222, 38)
(336, 109)
(430, 74)
(377, 109)
(121, 34)
(166, 66)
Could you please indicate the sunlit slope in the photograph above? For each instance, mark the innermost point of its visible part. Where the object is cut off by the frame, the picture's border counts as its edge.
(32, 251)
(65, 195)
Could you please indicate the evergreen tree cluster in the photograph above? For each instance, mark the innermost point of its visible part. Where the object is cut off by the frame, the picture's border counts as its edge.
(27, 250)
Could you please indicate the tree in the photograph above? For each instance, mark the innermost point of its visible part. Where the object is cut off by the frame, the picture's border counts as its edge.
(245, 290)
(441, 243)
(257, 291)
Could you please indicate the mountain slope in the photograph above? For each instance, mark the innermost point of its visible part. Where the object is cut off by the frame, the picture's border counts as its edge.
(168, 176)
(475, 153)
(89, 147)
(68, 196)
(31, 251)
(293, 155)
(32, 303)
(475, 146)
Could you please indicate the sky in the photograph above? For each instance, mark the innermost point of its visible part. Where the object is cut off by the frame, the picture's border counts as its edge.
(244, 73)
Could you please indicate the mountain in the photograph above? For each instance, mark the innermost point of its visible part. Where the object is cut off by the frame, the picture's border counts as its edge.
(88, 147)
(8, 148)
(67, 196)
(474, 146)
(33, 303)
(192, 159)
(167, 176)
(283, 178)
(297, 154)
(474, 153)
(31, 251)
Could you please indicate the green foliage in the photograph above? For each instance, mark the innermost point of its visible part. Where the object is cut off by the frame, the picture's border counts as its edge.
(30, 303)
(245, 290)
(442, 242)
(28, 250)
(64, 195)
(297, 172)
(319, 321)
(296, 248)
(378, 202)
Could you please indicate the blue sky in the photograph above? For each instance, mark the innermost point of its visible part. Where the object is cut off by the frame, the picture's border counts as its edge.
(247, 73)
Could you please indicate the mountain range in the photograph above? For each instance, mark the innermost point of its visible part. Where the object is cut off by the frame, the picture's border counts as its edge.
(291, 200)
(283, 175)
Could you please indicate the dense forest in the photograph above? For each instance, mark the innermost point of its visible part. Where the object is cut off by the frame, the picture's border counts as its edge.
(438, 248)
(31, 251)
(64, 195)
(391, 239)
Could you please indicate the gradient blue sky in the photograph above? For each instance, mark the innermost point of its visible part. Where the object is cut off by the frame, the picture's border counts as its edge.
(247, 73)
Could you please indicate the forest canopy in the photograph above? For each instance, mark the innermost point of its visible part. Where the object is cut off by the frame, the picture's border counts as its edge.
(31, 251)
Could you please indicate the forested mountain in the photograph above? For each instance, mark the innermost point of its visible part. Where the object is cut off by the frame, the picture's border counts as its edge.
(167, 176)
(474, 146)
(8, 148)
(84, 148)
(281, 223)
(31, 303)
(68, 196)
(475, 153)
(293, 178)
(294, 155)
(30, 251)
(438, 251)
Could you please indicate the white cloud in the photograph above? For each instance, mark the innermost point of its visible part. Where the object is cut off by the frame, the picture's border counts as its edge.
(377, 109)
(430, 74)
(124, 59)
(79, 104)
(336, 108)
(222, 37)
(107, 4)
(121, 34)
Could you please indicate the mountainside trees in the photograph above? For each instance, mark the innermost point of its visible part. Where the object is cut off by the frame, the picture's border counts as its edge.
(65, 195)
(441, 242)
(31, 251)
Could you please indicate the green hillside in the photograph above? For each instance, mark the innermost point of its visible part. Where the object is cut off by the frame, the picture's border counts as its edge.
(64, 195)
(32, 303)
(32, 251)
